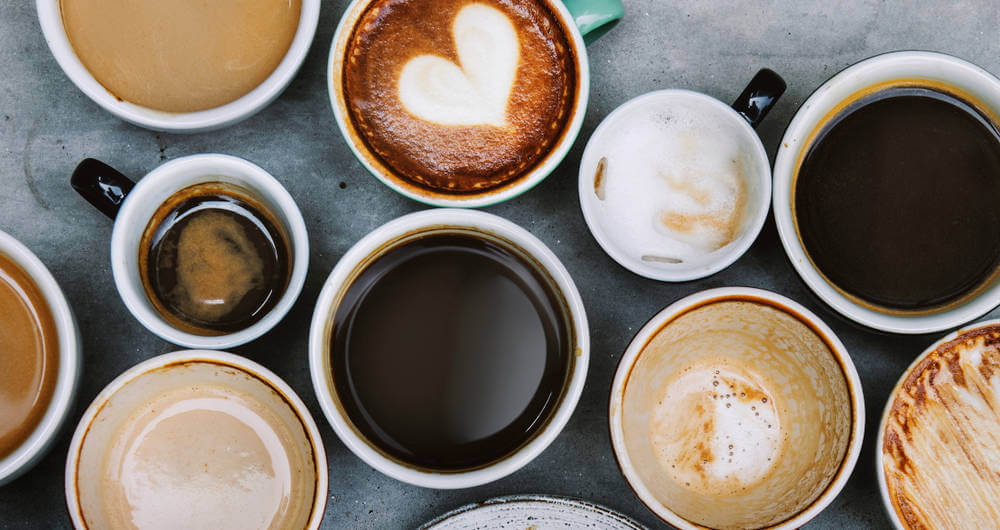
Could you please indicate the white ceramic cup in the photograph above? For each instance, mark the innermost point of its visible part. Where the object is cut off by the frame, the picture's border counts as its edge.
(132, 209)
(376, 243)
(937, 68)
(50, 18)
(630, 364)
(112, 409)
(68, 337)
(738, 121)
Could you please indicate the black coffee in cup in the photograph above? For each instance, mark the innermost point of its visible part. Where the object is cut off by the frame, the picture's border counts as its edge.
(895, 200)
(450, 350)
(213, 259)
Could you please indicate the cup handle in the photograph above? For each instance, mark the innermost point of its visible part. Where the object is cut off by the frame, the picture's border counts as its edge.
(759, 96)
(102, 185)
(595, 17)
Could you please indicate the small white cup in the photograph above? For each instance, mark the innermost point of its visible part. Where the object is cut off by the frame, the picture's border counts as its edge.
(813, 114)
(50, 18)
(377, 242)
(68, 336)
(740, 119)
(132, 209)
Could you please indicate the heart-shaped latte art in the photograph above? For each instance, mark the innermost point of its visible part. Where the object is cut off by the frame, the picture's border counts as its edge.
(475, 91)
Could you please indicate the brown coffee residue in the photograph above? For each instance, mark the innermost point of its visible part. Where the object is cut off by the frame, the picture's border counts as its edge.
(941, 464)
(29, 356)
(720, 214)
(600, 178)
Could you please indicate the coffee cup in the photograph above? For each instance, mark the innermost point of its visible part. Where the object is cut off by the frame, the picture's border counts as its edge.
(448, 348)
(34, 407)
(236, 104)
(935, 450)
(464, 104)
(675, 185)
(861, 217)
(207, 251)
(736, 408)
(251, 457)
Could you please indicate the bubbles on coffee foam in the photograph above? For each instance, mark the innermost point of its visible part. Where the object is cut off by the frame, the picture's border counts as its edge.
(671, 181)
(716, 429)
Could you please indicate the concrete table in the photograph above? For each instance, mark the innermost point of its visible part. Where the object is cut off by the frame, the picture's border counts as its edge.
(47, 126)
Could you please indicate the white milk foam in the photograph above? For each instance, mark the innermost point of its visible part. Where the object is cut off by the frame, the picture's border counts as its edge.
(474, 92)
(676, 179)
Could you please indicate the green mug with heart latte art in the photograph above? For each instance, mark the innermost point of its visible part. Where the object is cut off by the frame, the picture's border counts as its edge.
(463, 102)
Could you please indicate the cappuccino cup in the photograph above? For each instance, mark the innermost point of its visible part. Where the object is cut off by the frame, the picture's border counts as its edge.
(736, 408)
(463, 103)
(208, 251)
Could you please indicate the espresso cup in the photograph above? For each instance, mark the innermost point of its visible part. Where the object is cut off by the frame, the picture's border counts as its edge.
(966, 83)
(478, 412)
(447, 134)
(935, 454)
(675, 185)
(66, 337)
(133, 207)
(736, 408)
(251, 455)
(50, 18)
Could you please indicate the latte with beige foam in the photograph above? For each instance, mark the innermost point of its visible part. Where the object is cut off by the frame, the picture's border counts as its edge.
(459, 96)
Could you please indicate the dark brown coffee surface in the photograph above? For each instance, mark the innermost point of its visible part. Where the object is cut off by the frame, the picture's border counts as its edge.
(449, 352)
(29, 356)
(457, 158)
(896, 199)
(213, 261)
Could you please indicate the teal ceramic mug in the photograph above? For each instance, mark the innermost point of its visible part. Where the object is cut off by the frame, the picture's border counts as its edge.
(423, 104)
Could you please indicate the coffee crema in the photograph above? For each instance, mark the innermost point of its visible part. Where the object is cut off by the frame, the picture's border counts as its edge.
(459, 96)
(450, 351)
(213, 259)
(29, 356)
(895, 199)
(939, 444)
(180, 55)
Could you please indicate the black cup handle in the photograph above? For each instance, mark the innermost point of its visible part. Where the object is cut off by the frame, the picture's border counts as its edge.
(102, 185)
(759, 96)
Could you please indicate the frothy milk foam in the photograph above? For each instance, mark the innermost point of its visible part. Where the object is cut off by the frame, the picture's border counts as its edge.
(672, 177)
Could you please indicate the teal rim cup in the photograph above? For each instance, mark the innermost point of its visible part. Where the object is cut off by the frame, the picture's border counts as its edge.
(585, 20)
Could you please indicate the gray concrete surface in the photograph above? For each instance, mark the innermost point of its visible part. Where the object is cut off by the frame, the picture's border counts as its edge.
(47, 126)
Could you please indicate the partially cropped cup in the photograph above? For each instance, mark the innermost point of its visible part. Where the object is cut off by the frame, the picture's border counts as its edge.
(675, 185)
(736, 408)
(184, 66)
(207, 251)
(463, 103)
(448, 348)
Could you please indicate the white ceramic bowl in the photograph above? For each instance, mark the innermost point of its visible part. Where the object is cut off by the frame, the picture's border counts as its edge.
(936, 67)
(50, 18)
(38, 443)
(141, 203)
(337, 283)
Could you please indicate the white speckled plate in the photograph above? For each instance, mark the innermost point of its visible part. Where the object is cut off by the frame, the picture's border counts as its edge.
(534, 512)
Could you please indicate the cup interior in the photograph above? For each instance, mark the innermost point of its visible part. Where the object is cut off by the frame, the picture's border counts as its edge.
(736, 410)
(106, 439)
(142, 203)
(374, 165)
(50, 19)
(604, 217)
(38, 443)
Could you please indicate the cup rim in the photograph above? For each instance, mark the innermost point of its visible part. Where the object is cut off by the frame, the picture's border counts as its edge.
(321, 323)
(50, 19)
(883, 486)
(672, 311)
(40, 440)
(264, 375)
(133, 211)
(521, 185)
(793, 142)
(585, 185)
